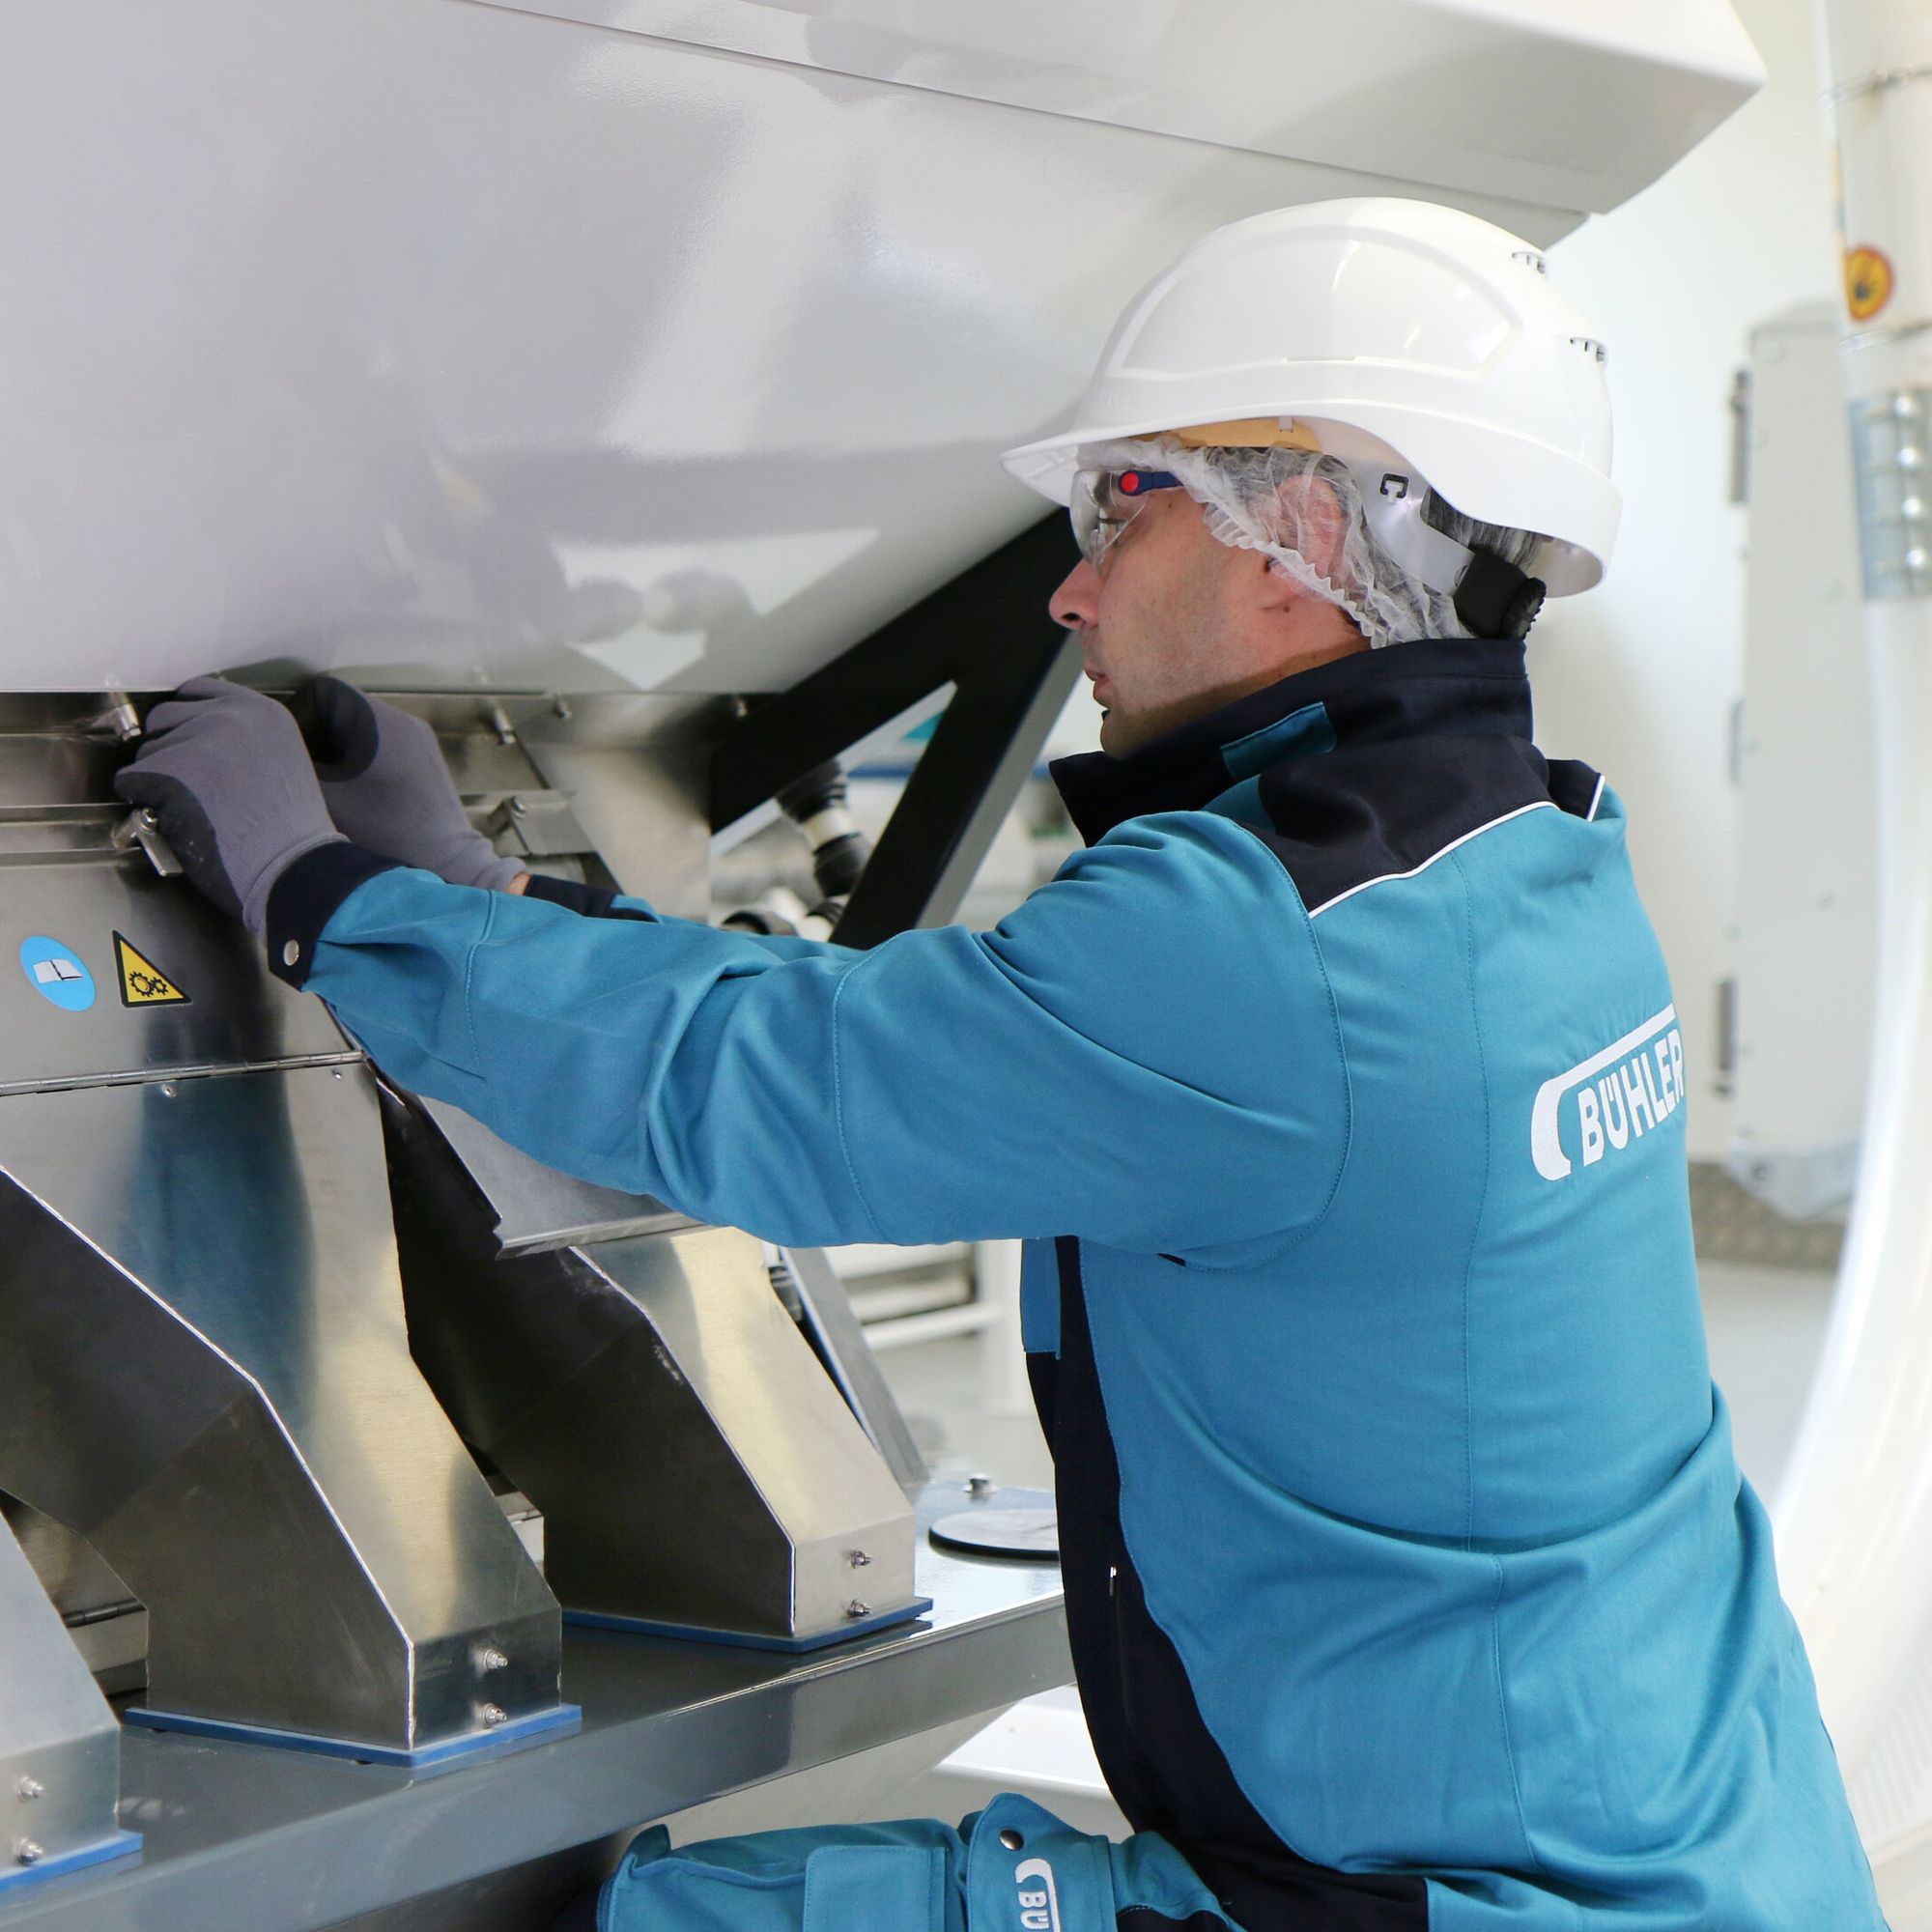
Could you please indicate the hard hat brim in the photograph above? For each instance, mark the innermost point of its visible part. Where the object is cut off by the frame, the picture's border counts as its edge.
(1496, 476)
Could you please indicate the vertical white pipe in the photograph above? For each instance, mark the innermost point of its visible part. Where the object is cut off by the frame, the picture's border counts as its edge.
(1854, 1512)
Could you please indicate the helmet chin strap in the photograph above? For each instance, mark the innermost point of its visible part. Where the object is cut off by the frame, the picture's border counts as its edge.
(1494, 598)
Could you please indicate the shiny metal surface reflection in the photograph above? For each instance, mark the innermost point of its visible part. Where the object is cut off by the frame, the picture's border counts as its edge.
(206, 1376)
(60, 1748)
(694, 1466)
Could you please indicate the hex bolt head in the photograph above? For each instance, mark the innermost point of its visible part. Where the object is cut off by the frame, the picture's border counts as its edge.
(855, 1608)
(492, 1660)
(858, 1559)
(28, 1789)
(27, 1852)
(494, 1714)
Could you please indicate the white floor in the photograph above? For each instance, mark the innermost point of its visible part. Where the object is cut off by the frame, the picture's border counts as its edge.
(1765, 1327)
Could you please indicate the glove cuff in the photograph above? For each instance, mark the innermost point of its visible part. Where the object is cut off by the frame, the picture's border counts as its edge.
(304, 899)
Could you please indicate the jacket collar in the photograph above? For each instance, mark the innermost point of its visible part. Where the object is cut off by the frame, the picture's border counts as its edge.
(1461, 688)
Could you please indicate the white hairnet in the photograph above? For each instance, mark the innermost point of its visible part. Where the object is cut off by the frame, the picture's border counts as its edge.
(1252, 502)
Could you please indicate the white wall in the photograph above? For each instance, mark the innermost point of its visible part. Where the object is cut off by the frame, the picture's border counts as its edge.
(1640, 676)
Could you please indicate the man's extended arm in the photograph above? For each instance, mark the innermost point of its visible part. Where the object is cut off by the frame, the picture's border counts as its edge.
(1143, 1053)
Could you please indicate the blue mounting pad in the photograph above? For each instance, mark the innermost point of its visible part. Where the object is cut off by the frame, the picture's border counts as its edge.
(121, 1845)
(753, 1639)
(512, 1736)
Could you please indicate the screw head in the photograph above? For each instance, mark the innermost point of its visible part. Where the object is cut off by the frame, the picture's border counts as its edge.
(28, 1789)
(27, 1852)
(168, 1090)
(492, 1660)
(859, 1560)
(494, 1714)
(856, 1608)
(980, 1487)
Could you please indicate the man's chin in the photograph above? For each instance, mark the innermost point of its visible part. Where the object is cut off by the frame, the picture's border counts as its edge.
(1120, 735)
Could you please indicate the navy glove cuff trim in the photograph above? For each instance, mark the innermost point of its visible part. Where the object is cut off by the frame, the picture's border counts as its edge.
(593, 901)
(304, 898)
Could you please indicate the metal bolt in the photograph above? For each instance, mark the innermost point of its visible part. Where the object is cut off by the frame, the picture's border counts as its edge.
(980, 1487)
(28, 1789)
(1909, 457)
(561, 709)
(494, 1714)
(27, 1852)
(492, 1660)
(517, 806)
(168, 1090)
(1012, 1841)
(855, 1608)
(858, 1559)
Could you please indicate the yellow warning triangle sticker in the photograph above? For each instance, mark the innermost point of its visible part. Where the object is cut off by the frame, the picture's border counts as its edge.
(143, 983)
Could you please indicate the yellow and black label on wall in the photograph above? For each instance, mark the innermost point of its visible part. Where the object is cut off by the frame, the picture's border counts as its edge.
(143, 983)
(1868, 281)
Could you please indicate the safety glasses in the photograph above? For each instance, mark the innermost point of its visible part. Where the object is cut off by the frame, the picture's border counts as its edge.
(1106, 502)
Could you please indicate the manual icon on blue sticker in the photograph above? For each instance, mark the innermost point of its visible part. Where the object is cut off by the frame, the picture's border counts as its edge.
(55, 972)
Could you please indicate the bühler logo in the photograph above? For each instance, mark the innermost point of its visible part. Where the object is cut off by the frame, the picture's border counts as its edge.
(1039, 1900)
(1615, 1097)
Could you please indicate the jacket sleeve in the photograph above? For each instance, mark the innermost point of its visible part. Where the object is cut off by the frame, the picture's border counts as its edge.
(1145, 1052)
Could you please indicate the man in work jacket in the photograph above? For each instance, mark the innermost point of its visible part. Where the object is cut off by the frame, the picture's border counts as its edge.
(1338, 1089)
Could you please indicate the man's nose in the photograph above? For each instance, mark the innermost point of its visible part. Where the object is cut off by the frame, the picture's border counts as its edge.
(1076, 603)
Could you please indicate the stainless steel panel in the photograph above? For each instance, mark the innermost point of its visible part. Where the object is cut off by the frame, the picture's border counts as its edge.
(235, 1015)
(245, 1840)
(534, 1205)
(206, 1376)
(649, 1394)
(800, 1472)
(60, 1748)
(644, 810)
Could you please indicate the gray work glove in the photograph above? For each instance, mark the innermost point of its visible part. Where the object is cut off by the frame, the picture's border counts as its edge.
(387, 788)
(225, 772)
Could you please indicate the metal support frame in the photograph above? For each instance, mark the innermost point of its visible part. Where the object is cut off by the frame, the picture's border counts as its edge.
(987, 633)
(838, 1338)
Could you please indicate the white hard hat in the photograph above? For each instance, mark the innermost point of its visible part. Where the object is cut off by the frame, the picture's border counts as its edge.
(1432, 331)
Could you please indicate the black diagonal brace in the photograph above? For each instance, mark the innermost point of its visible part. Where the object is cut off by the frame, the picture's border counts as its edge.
(988, 634)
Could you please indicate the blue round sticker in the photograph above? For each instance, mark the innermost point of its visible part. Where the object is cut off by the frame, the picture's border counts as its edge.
(54, 972)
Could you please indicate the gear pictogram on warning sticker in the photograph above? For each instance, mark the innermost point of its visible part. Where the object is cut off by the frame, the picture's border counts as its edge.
(143, 983)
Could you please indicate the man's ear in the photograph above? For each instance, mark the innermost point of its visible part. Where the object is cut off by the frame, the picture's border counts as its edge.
(1312, 516)
(1324, 526)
